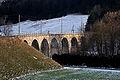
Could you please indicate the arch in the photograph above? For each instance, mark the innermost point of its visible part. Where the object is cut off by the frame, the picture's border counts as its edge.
(35, 44)
(74, 45)
(65, 46)
(25, 41)
(45, 47)
(54, 47)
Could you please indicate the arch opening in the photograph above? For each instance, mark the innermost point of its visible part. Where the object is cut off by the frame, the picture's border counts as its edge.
(25, 41)
(74, 45)
(35, 44)
(65, 46)
(45, 47)
(54, 49)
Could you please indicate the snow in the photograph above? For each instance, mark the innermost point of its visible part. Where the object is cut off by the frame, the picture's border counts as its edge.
(52, 25)
(93, 69)
(34, 57)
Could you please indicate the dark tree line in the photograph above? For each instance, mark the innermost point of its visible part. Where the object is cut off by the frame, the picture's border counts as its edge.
(100, 9)
(45, 9)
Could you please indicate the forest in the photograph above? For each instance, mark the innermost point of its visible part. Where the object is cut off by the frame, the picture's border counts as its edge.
(45, 9)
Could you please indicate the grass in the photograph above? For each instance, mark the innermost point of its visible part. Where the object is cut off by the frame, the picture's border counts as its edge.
(17, 58)
(74, 74)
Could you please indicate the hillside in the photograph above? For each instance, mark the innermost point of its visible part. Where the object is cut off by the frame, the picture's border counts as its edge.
(17, 58)
(52, 25)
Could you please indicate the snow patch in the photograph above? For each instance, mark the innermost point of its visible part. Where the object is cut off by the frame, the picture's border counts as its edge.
(91, 69)
(34, 57)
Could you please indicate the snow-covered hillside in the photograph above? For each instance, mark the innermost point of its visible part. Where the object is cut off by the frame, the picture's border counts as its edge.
(52, 25)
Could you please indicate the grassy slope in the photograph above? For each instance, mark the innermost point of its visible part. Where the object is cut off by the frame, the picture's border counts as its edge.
(17, 58)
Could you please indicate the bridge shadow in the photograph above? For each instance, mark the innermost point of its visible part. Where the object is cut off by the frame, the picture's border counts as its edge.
(35, 44)
(25, 41)
(88, 61)
(54, 49)
(65, 46)
(45, 47)
(74, 45)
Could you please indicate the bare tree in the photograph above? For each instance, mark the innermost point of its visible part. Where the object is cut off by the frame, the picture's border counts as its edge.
(6, 29)
(107, 32)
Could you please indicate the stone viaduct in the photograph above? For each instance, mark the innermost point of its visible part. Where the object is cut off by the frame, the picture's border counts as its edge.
(50, 44)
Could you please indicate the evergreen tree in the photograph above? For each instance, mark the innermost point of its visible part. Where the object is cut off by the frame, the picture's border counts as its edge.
(45, 9)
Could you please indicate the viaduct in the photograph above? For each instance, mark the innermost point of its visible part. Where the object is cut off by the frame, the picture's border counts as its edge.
(50, 44)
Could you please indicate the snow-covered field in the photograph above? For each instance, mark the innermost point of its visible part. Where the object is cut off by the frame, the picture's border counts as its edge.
(74, 74)
(52, 25)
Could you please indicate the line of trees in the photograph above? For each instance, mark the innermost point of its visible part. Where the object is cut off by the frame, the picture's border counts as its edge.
(105, 35)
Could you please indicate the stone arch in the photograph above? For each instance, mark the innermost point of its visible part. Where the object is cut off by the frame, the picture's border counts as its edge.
(65, 46)
(74, 45)
(45, 47)
(54, 47)
(26, 41)
(35, 44)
